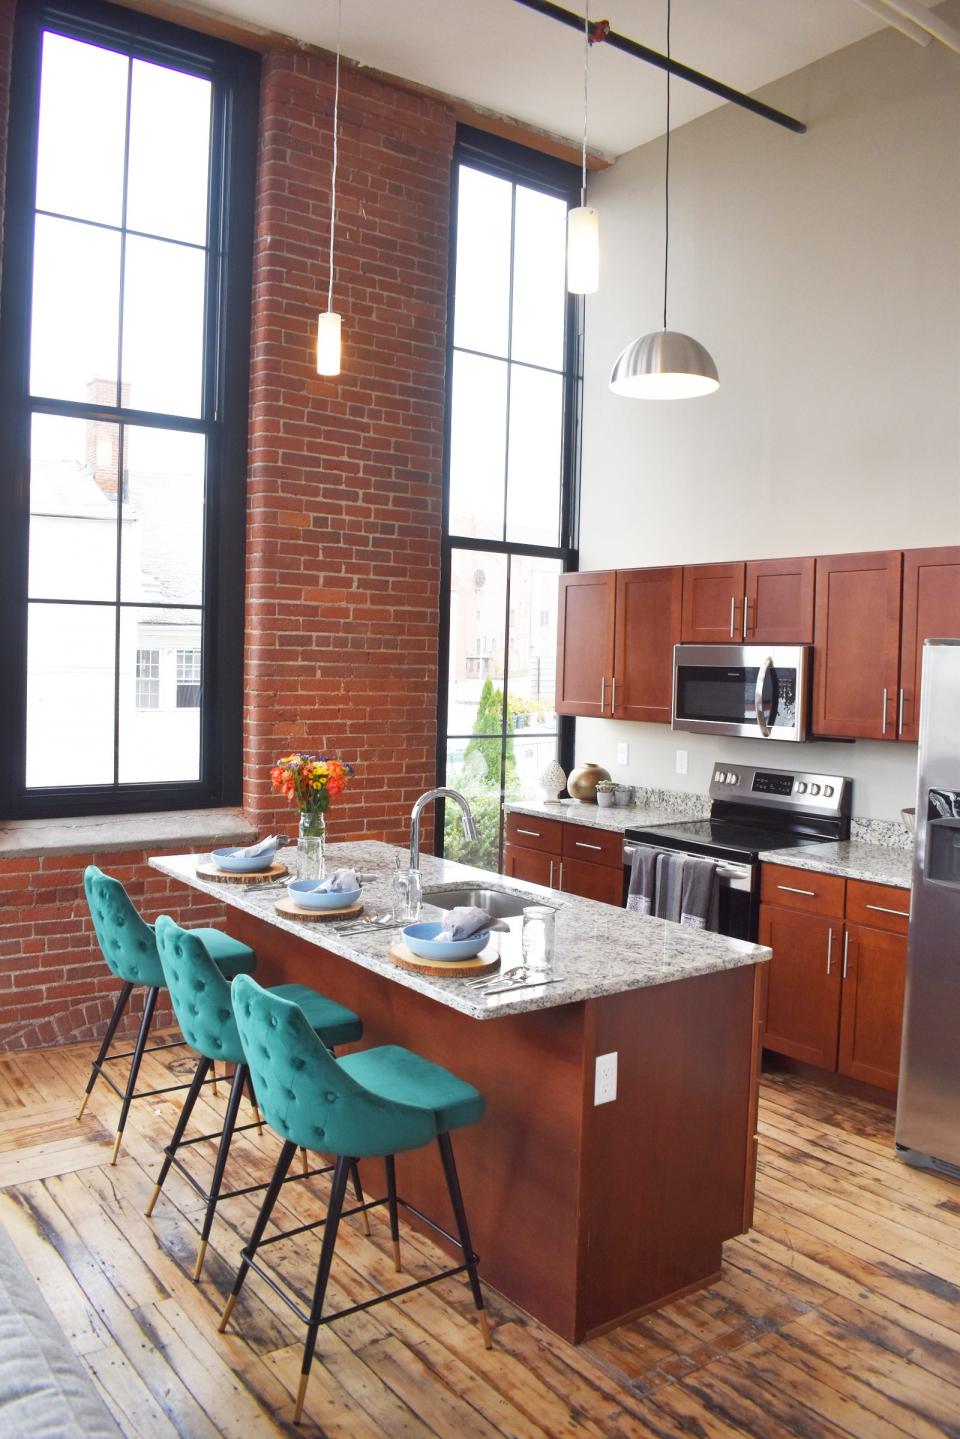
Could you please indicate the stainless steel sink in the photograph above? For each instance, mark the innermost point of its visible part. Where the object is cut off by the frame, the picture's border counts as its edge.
(498, 903)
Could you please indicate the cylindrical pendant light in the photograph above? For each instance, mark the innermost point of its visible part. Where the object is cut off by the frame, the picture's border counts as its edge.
(328, 343)
(328, 323)
(583, 222)
(665, 365)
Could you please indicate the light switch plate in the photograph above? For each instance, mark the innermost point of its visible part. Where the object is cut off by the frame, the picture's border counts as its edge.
(681, 761)
(605, 1078)
(623, 754)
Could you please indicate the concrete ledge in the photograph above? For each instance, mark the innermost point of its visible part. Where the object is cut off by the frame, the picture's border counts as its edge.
(190, 829)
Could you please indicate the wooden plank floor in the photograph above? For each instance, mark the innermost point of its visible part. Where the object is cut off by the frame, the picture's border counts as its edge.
(838, 1315)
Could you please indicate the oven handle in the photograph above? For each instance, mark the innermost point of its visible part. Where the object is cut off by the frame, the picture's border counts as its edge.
(762, 673)
(740, 875)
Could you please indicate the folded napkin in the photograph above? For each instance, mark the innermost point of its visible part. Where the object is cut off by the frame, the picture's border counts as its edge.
(466, 921)
(262, 846)
(643, 879)
(341, 879)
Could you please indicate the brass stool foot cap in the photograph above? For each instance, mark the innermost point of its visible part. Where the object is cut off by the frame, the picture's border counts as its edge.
(225, 1316)
(301, 1396)
(305, 1161)
(257, 1119)
(83, 1105)
(365, 1221)
(116, 1146)
(485, 1329)
(153, 1199)
(201, 1255)
(396, 1256)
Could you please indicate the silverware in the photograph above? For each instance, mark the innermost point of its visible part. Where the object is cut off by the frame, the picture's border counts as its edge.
(527, 984)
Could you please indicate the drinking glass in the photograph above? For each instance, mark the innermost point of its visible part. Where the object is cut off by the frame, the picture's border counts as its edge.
(538, 935)
(407, 895)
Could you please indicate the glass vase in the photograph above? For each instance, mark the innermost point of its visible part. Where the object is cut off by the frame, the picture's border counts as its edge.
(311, 839)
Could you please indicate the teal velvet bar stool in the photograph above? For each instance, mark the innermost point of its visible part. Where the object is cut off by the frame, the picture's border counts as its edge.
(375, 1103)
(129, 946)
(202, 1003)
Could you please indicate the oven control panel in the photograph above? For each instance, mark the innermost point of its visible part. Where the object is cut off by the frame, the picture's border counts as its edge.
(750, 784)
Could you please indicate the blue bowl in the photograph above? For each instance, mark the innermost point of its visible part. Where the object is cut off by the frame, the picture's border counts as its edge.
(230, 859)
(422, 939)
(302, 891)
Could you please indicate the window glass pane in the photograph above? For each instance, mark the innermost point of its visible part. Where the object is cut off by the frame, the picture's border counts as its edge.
(70, 695)
(478, 438)
(169, 153)
(539, 281)
(484, 802)
(481, 310)
(536, 448)
(160, 742)
(534, 591)
(163, 294)
(478, 601)
(83, 117)
(76, 302)
(148, 679)
(74, 467)
(162, 539)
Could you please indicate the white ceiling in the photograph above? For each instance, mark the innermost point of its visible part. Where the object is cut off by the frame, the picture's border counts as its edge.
(506, 58)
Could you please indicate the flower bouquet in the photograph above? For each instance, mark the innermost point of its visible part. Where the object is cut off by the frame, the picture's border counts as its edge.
(311, 781)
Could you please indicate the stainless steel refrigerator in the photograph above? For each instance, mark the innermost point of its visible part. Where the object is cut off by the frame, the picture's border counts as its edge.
(928, 1103)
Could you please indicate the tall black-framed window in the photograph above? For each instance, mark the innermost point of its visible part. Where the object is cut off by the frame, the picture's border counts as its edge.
(510, 513)
(124, 351)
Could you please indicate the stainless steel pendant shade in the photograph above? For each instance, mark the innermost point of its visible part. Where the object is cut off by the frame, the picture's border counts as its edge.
(664, 365)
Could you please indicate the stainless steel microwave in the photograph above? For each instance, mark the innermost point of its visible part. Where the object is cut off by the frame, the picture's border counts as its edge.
(758, 691)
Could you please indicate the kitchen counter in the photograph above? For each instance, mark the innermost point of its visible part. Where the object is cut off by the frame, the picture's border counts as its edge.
(584, 1213)
(851, 859)
(666, 809)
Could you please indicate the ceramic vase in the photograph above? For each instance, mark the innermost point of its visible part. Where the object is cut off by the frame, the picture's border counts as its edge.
(582, 782)
(552, 781)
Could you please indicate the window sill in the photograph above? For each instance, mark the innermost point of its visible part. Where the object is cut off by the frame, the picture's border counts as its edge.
(190, 829)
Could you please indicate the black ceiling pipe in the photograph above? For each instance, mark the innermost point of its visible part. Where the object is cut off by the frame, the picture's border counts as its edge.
(653, 57)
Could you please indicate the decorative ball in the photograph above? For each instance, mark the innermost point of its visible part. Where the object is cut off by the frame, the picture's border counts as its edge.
(582, 782)
(553, 782)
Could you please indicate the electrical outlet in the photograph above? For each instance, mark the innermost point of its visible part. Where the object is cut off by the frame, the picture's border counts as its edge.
(605, 1078)
(681, 761)
(623, 754)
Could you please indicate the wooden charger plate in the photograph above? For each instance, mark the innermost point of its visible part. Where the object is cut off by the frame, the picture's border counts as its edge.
(484, 963)
(292, 910)
(259, 876)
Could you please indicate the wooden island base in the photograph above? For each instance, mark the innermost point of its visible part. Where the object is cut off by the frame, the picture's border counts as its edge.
(583, 1214)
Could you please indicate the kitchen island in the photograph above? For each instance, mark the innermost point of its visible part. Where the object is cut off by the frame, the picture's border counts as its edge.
(584, 1214)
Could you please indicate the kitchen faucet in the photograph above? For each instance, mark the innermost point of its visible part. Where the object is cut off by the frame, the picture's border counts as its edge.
(469, 823)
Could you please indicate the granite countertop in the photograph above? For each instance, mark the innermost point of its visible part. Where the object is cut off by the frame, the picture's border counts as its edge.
(852, 859)
(600, 950)
(614, 818)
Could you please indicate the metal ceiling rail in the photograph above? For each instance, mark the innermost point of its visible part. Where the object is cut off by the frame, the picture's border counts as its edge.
(602, 32)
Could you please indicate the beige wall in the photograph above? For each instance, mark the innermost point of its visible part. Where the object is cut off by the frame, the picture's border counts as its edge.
(823, 274)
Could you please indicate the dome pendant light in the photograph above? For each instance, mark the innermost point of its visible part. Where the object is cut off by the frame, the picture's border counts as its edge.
(583, 222)
(328, 322)
(665, 365)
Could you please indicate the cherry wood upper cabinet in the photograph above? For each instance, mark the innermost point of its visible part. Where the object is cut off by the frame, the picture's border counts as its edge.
(857, 638)
(778, 608)
(931, 610)
(647, 628)
(585, 642)
(803, 997)
(871, 1013)
(712, 604)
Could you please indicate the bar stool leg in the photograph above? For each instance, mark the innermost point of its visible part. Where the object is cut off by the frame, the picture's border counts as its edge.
(337, 1191)
(253, 1103)
(229, 1124)
(263, 1218)
(150, 1004)
(213, 1080)
(193, 1094)
(391, 1170)
(119, 1007)
(358, 1191)
(460, 1214)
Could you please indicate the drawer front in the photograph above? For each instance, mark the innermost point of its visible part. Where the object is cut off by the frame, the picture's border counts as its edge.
(882, 906)
(533, 833)
(803, 889)
(596, 846)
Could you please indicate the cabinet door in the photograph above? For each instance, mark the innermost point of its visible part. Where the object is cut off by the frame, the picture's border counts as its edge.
(857, 638)
(931, 610)
(585, 643)
(647, 628)
(871, 1012)
(592, 881)
(778, 609)
(532, 865)
(712, 604)
(803, 994)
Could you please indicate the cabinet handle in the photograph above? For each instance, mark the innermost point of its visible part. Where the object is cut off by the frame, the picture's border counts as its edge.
(791, 889)
(846, 945)
(550, 886)
(613, 694)
(900, 713)
(883, 909)
(582, 844)
(883, 726)
(603, 693)
(534, 833)
(560, 880)
(829, 947)
(733, 615)
(747, 602)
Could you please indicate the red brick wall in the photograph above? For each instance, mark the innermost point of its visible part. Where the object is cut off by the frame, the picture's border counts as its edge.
(54, 984)
(343, 558)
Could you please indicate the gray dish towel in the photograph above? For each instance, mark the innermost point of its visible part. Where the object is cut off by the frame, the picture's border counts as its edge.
(700, 894)
(643, 879)
(669, 885)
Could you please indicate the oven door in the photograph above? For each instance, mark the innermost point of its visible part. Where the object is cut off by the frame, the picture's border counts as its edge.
(756, 691)
(738, 892)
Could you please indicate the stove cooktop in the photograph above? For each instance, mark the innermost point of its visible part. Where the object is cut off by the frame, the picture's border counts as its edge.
(711, 835)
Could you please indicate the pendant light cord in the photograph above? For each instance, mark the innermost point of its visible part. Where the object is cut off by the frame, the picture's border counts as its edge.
(666, 186)
(333, 181)
(586, 91)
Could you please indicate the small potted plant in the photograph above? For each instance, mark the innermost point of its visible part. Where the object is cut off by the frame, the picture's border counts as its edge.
(606, 793)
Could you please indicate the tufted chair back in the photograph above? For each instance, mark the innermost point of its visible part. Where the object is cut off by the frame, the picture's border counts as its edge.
(199, 993)
(306, 1096)
(126, 941)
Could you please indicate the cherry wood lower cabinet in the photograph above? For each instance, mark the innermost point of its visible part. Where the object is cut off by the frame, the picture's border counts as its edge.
(530, 864)
(576, 858)
(871, 1011)
(803, 995)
